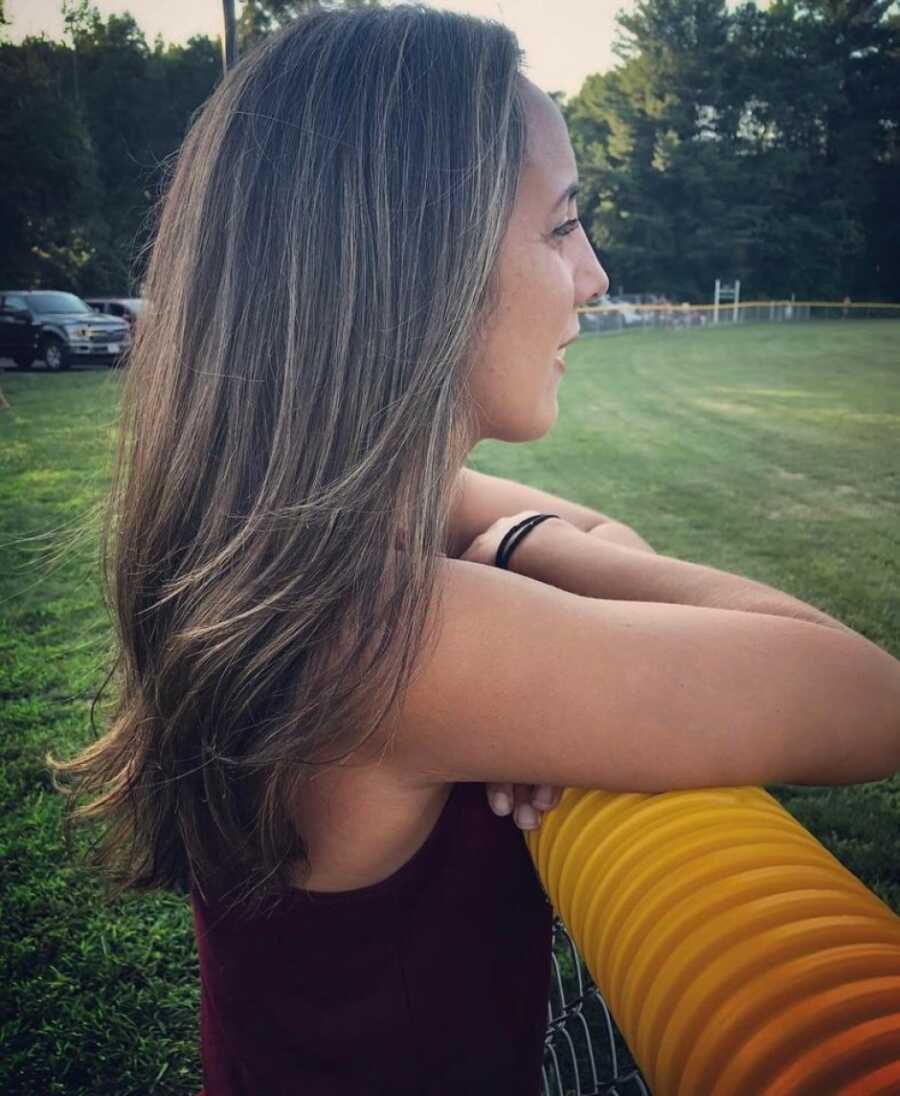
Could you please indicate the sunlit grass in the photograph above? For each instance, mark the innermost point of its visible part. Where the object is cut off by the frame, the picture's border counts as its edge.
(770, 451)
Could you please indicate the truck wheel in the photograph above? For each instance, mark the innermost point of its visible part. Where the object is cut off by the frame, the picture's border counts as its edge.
(55, 353)
(23, 362)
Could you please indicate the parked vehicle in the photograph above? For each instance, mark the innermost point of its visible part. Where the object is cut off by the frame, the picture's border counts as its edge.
(58, 328)
(125, 308)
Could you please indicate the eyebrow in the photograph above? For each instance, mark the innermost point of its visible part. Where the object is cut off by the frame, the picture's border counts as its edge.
(567, 195)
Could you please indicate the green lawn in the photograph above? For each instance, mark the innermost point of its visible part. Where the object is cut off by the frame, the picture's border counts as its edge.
(766, 450)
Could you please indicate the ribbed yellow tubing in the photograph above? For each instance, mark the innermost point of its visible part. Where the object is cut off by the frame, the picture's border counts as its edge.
(736, 954)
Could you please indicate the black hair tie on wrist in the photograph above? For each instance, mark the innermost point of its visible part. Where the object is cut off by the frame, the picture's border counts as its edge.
(512, 538)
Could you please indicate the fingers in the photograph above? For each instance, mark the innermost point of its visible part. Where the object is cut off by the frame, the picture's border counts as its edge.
(525, 801)
(527, 817)
(500, 797)
(546, 796)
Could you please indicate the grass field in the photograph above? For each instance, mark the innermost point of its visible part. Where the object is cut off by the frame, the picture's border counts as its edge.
(770, 451)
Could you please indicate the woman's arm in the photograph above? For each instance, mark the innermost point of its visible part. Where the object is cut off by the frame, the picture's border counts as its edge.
(530, 684)
(616, 532)
(622, 573)
(481, 499)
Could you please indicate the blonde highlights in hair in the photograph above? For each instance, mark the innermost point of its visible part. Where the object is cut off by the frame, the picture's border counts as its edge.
(297, 404)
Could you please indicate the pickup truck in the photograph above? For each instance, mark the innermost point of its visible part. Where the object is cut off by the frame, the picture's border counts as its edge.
(58, 328)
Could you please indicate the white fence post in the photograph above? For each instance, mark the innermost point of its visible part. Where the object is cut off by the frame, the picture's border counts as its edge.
(727, 292)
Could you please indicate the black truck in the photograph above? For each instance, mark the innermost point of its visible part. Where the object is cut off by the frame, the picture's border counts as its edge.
(59, 329)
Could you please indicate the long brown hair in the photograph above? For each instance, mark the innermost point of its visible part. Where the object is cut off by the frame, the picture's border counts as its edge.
(297, 400)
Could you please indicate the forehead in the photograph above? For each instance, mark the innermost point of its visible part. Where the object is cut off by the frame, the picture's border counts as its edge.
(549, 162)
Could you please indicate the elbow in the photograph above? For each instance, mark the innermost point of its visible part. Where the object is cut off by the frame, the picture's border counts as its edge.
(884, 754)
(872, 738)
(850, 732)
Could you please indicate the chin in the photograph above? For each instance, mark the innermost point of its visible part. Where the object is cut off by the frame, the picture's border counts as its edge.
(523, 430)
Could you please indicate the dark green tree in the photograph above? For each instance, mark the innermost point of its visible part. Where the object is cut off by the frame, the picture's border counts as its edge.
(752, 144)
(859, 45)
(651, 136)
(49, 190)
(818, 123)
(260, 18)
(87, 132)
(137, 104)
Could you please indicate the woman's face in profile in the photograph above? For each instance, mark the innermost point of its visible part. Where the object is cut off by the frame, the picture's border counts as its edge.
(547, 270)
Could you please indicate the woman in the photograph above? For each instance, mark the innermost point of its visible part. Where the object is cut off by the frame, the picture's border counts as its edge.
(367, 261)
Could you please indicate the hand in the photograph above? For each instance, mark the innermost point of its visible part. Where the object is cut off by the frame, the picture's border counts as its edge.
(527, 801)
(483, 548)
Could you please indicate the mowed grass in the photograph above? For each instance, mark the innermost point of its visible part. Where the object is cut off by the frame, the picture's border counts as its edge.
(770, 451)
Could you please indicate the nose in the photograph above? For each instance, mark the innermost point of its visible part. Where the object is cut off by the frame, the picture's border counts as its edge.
(592, 280)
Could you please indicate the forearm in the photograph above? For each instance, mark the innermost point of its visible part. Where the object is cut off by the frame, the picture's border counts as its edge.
(607, 566)
(617, 532)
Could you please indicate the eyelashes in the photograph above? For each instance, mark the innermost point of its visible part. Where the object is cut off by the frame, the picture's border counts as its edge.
(567, 227)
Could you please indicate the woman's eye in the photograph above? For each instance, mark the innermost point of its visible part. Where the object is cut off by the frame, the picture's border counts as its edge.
(567, 227)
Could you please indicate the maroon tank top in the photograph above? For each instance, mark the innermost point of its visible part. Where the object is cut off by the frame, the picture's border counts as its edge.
(433, 982)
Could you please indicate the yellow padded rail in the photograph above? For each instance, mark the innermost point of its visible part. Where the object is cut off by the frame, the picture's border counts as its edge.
(736, 954)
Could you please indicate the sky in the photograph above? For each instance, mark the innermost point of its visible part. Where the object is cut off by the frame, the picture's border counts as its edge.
(564, 40)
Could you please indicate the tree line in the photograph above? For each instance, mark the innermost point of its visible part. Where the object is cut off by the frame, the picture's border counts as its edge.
(745, 143)
(755, 144)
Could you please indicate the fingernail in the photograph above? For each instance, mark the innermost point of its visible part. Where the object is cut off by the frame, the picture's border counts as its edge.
(501, 803)
(543, 796)
(527, 818)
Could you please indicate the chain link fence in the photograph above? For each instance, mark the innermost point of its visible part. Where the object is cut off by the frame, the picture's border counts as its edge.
(584, 1053)
(623, 316)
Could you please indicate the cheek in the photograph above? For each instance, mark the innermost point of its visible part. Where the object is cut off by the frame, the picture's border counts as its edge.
(538, 299)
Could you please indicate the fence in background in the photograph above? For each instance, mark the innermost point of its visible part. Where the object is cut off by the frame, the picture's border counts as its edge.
(606, 318)
(584, 1052)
